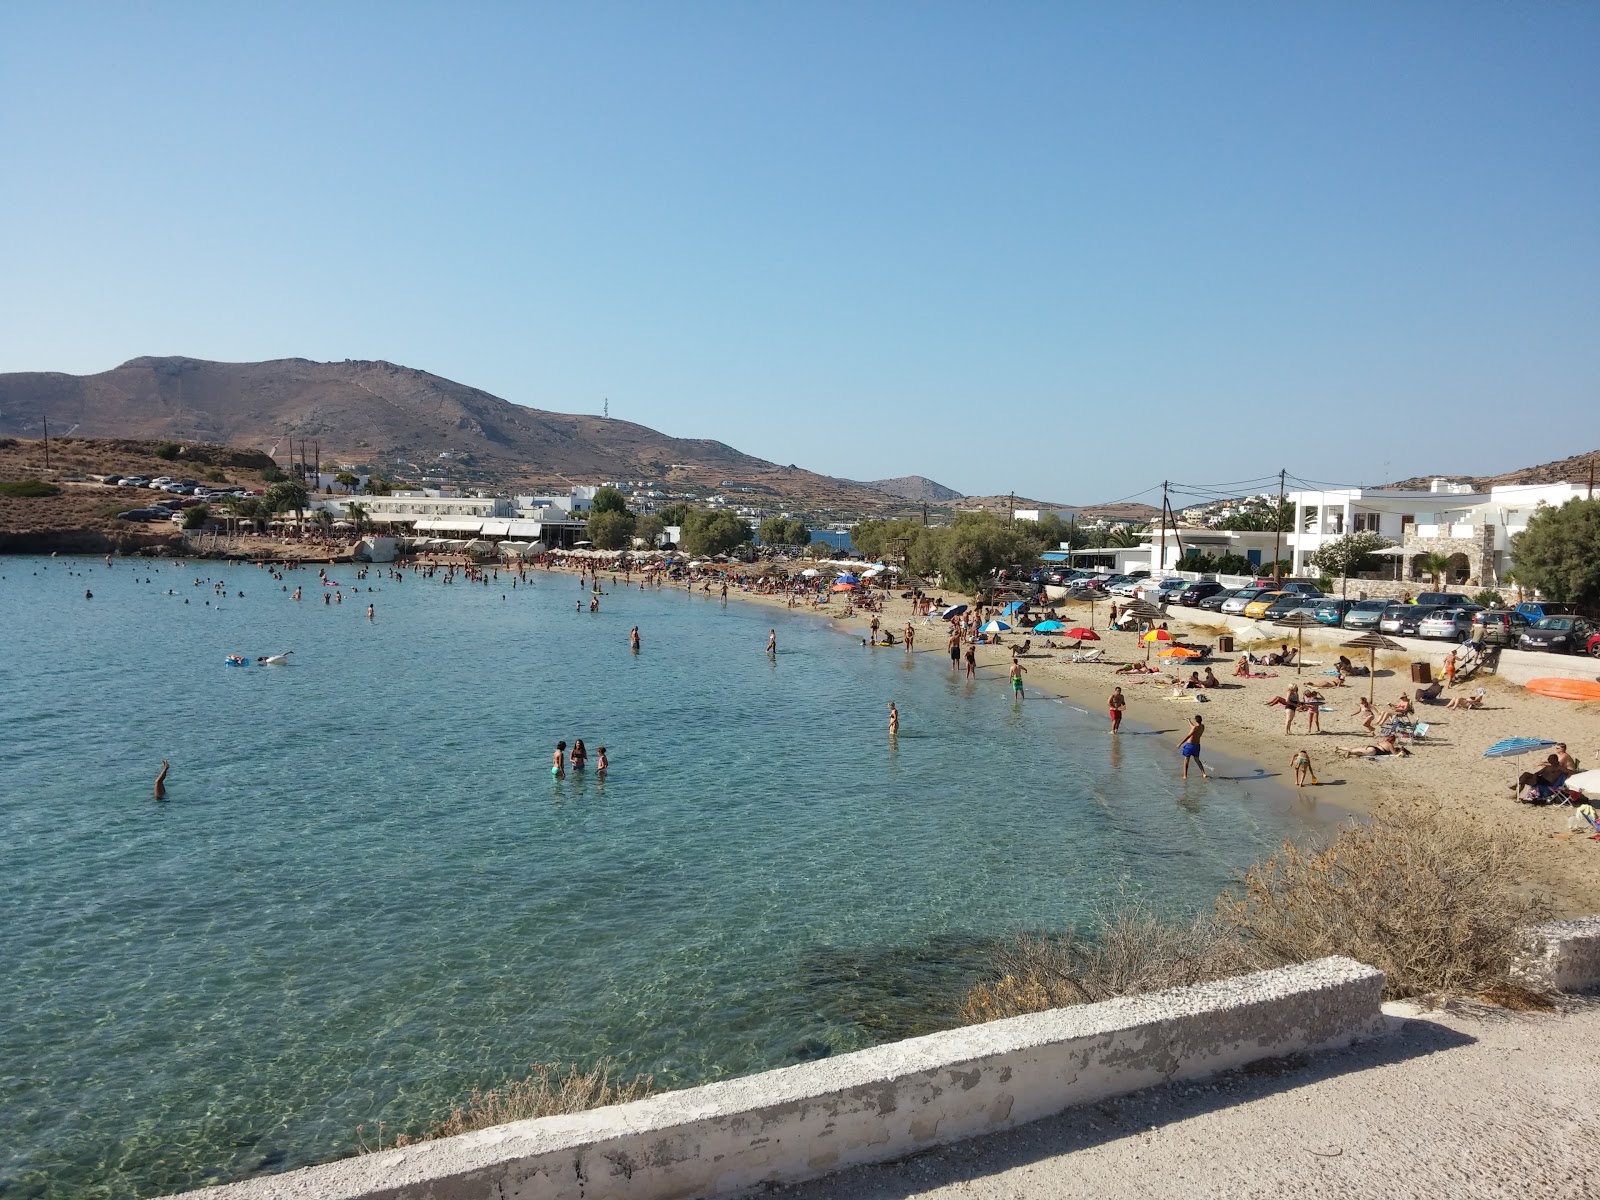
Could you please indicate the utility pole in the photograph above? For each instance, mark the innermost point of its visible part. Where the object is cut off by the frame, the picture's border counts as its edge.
(47, 455)
(1162, 565)
(317, 478)
(1591, 470)
(1277, 525)
(1013, 508)
(924, 512)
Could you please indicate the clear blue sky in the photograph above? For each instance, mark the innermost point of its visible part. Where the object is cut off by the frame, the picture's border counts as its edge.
(1066, 249)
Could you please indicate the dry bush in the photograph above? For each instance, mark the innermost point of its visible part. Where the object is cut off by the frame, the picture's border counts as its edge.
(549, 1090)
(1434, 903)
(1127, 950)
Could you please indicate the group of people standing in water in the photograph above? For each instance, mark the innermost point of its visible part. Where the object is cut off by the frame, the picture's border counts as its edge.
(576, 759)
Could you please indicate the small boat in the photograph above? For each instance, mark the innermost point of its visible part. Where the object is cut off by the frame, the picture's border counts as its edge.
(1564, 689)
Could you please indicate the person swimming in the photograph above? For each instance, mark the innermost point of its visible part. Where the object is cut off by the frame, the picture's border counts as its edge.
(161, 780)
(275, 660)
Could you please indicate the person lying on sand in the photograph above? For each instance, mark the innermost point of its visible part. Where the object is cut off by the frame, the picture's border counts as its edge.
(1465, 700)
(1137, 668)
(1387, 746)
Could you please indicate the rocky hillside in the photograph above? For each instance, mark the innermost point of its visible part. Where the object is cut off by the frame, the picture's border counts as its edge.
(918, 489)
(410, 423)
(1567, 470)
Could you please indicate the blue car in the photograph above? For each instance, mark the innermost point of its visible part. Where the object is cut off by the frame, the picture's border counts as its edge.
(1331, 612)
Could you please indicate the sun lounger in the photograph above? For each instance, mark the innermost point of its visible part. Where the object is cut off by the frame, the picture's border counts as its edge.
(1090, 656)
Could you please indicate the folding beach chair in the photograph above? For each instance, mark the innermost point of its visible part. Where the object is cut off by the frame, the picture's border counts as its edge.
(1417, 733)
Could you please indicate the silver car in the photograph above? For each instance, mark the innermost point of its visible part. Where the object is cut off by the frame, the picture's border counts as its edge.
(1234, 604)
(1447, 624)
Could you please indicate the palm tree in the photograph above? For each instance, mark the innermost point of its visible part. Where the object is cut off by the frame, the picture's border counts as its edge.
(1434, 565)
(358, 514)
(323, 519)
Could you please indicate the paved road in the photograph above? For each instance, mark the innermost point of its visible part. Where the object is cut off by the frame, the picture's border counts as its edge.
(1470, 1102)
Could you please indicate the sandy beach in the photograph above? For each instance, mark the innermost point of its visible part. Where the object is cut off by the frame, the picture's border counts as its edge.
(1447, 770)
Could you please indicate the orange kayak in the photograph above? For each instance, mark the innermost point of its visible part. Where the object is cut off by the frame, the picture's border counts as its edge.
(1565, 689)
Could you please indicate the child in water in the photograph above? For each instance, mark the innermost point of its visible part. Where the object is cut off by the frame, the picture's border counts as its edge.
(601, 765)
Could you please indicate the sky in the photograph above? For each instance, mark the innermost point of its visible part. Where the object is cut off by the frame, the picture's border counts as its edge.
(1062, 249)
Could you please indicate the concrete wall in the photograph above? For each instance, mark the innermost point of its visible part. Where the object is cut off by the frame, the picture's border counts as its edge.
(1564, 955)
(883, 1103)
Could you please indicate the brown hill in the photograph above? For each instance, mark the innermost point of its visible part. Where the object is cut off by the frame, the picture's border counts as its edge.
(918, 489)
(409, 423)
(1568, 470)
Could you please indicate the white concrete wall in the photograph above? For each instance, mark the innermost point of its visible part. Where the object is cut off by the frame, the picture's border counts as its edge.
(883, 1103)
(1564, 955)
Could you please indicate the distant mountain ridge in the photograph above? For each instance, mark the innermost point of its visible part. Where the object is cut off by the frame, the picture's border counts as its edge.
(409, 422)
(1567, 470)
(918, 489)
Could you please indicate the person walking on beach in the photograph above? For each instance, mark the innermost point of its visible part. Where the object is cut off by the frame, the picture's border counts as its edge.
(1017, 672)
(1450, 669)
(1190, 746)
(772, 641)
(972, 662)
(1114, 707)
(894, 719)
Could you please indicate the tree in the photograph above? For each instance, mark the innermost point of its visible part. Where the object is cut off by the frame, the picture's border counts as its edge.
(707, 532)
(609, 500)
(348, 480)
(1558, 554)
(196, 517)
(785, 531)
(651, 528)
(1260, 515)
(358, 514)
(323, 519)
(1233, 564)
(1198, 561)
(673, 514)
(272, 473)
(285, 495)
(611, 530)
(377, 485)
(1345, 556)
(1434, 565)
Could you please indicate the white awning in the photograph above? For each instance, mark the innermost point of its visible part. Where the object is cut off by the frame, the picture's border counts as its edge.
(450, 524)
(494, 528)
(524, 529)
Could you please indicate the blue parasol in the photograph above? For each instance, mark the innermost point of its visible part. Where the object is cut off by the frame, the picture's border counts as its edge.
(1015, 606)
(1048, 627)
(847, 578)
(1510, 747)
(955, 610)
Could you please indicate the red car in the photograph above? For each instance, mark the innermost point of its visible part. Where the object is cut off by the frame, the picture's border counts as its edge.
(1594, 646)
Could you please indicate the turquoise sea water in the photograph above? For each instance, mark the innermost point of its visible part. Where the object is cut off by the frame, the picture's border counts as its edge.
(366, 894)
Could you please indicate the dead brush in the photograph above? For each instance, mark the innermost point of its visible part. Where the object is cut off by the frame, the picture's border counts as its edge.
(1433, 903)
(1127, 950)
(548, 1090)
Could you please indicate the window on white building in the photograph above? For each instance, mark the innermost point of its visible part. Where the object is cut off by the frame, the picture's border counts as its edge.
(1364, 522)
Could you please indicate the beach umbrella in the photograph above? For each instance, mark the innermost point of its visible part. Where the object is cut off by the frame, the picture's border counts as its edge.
(848, 578)
(844, 587)
(1299, 621)
(1587, 782)
(1158, 635)
(994, 627)
(1513, 746)
(1180, 652)
(1374, 642)
(810, 573)
(1083, 635)
(1015, 606)
(955, 610)
(1048, 627)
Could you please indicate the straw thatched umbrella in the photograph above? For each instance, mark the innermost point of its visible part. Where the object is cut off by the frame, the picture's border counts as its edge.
(1299, 621)
(1373, 641)
(1144, 611)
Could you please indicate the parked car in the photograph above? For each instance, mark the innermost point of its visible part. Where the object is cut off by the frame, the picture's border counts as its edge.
(133, 481)
(112, 480)
(1191, 596)
(1393, 614)
(1215, 601)
(1234, 604)
(1257, 608)
(1562, 634)
(1125, 586)
(1448, 624)
(1331, 612)
(1442, 599)
(1534, 609)
(1288, 602)
(143, 514)
(1594, 644)
(1415, 616)
(1498, 626)
(1365, 614)
(1164, 592)
(1306, 586)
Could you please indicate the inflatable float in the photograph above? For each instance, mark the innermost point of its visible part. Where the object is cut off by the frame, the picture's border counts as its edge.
(1565, 689)
(237, 660)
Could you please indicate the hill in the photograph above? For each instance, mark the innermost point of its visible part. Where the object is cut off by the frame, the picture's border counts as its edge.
(406, 422)
(1567, 470)
(918, 489)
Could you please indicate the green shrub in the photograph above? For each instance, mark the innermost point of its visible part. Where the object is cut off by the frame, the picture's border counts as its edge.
(272, 473)
(217, 475)
(196, 517)
(1489, 599)
(28, 489)
(168, 451)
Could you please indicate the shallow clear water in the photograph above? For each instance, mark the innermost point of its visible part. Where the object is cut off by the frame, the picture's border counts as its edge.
(365, 892)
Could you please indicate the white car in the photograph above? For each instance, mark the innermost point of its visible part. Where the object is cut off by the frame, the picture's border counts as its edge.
(135, 481)
(1234, 604)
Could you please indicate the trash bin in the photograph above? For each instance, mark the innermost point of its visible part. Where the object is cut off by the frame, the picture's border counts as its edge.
(1225, 643)
(1421, 673)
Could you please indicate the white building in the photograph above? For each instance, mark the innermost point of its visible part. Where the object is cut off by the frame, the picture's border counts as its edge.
(1473, 529)
(1034, 514)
